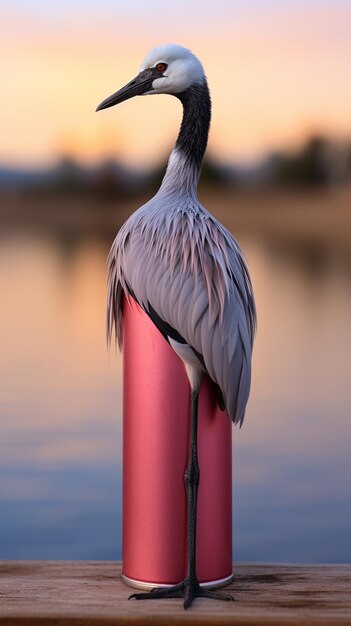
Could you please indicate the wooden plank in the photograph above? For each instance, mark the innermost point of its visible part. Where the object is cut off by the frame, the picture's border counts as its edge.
(85, 593)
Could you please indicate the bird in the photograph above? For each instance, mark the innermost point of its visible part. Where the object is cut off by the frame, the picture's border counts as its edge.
(187, 272)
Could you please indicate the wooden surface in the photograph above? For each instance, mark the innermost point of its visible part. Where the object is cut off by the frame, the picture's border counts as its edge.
(86, 593)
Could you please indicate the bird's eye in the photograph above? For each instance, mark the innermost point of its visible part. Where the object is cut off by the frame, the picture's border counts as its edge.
(161, 67)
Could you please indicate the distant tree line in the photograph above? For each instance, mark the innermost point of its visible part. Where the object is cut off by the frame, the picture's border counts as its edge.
(318, 162)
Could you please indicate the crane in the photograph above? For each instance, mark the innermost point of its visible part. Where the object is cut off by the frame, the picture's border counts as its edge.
(186, 271)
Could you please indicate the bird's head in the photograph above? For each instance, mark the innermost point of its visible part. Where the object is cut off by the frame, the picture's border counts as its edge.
(168, 69)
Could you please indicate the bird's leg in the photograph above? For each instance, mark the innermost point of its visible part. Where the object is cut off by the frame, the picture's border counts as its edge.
(189, 588)
(192, 479)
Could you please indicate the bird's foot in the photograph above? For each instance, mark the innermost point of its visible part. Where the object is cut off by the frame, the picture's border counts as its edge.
(187, 589)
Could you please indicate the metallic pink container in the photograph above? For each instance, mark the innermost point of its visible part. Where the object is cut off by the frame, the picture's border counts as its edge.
(156, 415)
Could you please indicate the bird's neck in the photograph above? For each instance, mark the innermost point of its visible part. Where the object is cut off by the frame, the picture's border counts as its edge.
(185, 163)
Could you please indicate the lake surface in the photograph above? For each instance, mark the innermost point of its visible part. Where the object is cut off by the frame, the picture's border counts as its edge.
(60, 403)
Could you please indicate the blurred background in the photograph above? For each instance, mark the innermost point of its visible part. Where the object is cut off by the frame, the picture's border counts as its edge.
(277, 174)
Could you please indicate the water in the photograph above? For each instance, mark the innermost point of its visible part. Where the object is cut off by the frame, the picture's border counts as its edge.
(60, 404)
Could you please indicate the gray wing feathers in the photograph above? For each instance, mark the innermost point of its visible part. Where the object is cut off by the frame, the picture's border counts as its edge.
(114, 304)
(194, 275)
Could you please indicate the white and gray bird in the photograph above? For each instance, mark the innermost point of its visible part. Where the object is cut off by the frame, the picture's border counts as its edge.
(185, 270)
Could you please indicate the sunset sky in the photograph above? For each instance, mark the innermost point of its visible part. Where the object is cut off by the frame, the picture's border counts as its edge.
(278, 71)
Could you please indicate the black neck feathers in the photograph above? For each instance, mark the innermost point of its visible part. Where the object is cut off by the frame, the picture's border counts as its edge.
(193, 134)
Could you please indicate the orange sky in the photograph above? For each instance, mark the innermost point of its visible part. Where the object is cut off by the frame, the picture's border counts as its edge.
(275, 76)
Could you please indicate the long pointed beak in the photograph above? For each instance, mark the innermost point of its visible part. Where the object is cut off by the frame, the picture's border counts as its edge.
(137, 87)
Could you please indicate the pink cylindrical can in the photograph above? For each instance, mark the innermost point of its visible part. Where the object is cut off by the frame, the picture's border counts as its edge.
(156, 416)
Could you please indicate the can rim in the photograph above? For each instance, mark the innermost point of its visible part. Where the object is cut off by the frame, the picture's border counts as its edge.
(142, 584)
